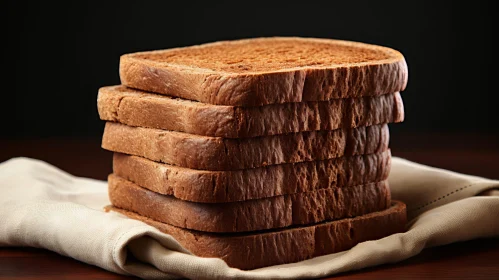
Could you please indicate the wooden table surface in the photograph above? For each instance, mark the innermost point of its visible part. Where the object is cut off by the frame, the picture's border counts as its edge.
(472, 154)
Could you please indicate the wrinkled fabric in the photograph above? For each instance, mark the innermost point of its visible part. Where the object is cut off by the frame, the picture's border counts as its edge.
(44, 207)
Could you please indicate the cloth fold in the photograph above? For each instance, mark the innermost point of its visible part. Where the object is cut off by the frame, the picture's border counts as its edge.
(44, 207)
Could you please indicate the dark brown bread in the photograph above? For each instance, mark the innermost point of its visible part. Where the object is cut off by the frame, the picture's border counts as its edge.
(216, 153)
(138, 108)
(251, 215)
(262, 71)
(227, 186)
(255, 250)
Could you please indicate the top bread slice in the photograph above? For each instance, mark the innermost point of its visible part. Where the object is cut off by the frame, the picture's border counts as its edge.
(139, 108)
(255, 72)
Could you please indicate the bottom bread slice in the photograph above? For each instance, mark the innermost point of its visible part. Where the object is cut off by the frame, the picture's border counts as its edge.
(260, 249)
(251, 215)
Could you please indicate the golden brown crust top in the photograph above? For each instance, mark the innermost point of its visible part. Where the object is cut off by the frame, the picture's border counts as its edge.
(269, 55)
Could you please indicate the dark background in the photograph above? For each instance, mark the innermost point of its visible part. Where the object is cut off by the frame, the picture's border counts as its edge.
(59, 54)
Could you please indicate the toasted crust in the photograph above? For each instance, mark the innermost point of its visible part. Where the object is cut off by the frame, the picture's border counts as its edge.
(254, 250)
(359, 70)
(138, 108)
(215, 153)
(250, 215)
(229, 186)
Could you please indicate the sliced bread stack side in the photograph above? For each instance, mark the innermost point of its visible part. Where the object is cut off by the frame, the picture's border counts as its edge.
(258, 151)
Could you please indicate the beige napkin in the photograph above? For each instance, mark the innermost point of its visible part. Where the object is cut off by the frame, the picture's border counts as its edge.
(42, 206)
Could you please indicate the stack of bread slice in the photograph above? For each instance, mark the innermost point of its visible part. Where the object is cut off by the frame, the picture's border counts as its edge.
(258, 151)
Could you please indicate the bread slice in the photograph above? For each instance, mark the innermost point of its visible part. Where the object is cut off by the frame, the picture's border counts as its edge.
(138, 108)
(251, 215)
(260, 249)
(228, 186)
(216, 153)
(254, 72)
